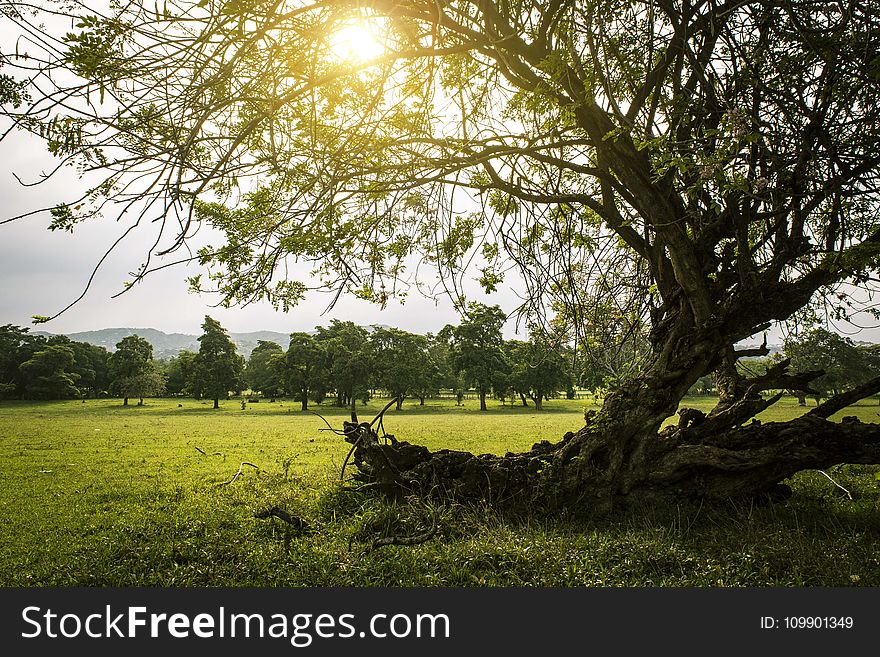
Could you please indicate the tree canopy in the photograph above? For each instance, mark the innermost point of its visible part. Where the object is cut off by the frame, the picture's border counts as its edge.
(477, 350)
(843, 363)
(48, 373)
(217, 368)
(348, 360)
(133, 371)
(721, 142)
(264, 368)
(305, 369)
(537, 369)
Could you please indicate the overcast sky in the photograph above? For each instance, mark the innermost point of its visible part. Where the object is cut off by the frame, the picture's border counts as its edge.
(42, 271)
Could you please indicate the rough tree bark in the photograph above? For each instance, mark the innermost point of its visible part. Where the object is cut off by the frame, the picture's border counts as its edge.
(622, 456)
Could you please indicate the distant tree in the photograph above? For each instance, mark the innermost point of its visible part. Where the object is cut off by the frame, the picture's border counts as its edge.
(265, 371)
(132, 370)
(218, 368)
(705, 385)
(349, 361)
(870, 355)
(92, 365)
(842, 363)
(403, 365)
(179, 374)
(48, 373)
(149, 383)
(477, 348)
(537, 369)
(17, 346)
(11, 337)
(305, 369)
(437, 372)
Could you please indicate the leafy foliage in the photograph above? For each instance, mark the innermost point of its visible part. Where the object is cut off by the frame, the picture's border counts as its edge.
(843, 363)
(349, 360)
(133, 371)
(47, 373)
(537, 369)
(217, 367)
(477, 349)
(264, 371)
(180, 374)
(403, 364)
(305, 368)
(696, 174)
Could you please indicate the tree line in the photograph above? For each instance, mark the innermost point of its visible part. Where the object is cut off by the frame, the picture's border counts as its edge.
(342, 361)
(56, 367)
(348, 363)
(844, 364)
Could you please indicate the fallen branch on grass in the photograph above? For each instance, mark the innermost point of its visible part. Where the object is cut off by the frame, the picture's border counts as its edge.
(845, 491)
(406, 540)
(239, 473)
(295, 522)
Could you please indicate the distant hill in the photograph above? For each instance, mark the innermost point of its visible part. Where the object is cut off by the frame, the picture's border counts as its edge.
(166, 345)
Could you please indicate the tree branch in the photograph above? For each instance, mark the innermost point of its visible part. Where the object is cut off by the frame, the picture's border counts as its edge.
(841, 401)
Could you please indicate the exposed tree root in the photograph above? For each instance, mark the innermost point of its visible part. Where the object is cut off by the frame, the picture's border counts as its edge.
(602, 466)
(417, 539)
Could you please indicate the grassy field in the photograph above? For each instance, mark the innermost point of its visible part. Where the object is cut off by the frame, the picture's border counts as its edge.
(97, 494)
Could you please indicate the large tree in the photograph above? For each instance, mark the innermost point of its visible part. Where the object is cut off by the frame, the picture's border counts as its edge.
(180, 374)
(477, 349)
(217, 368)
(17, 346)
(402, 362)
(132, 370)
(538, 368)
(91, 365)
(712, 165)
(348, 359)
(843, 365)
(265, 368)
(437, 372)
(48, 373)
(305, 369)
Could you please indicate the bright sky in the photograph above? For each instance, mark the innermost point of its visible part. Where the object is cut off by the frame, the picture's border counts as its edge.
(42, 271)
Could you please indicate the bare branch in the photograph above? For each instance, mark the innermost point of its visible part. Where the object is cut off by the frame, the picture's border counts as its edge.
(830, 406)
(239, 473)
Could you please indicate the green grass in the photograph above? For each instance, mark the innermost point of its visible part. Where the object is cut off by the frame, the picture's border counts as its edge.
(96, 494)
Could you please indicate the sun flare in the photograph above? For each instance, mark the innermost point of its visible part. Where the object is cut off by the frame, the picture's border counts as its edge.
(357, 42)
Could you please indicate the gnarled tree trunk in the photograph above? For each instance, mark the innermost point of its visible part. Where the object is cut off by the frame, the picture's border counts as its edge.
(622, 456)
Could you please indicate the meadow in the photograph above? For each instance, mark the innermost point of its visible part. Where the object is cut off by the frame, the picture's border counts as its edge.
(98, 494)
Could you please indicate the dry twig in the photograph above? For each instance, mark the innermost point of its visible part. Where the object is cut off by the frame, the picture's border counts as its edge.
(845, 491)
(239, 473)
